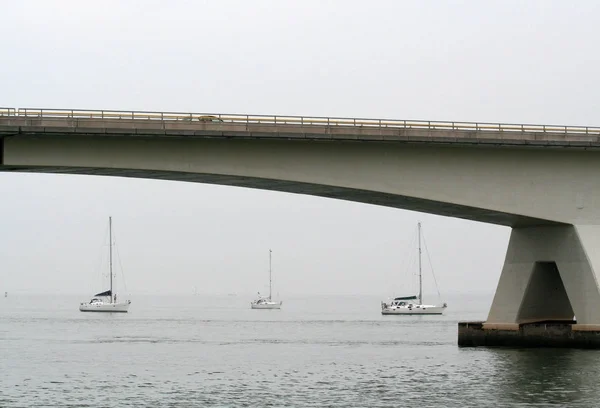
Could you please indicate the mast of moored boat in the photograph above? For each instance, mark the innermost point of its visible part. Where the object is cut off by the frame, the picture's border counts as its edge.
(110, 257)
(420, 272)
(270, 280)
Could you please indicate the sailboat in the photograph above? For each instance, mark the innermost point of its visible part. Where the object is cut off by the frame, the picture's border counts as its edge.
(106, 301)
(266, 302)
(413, 305)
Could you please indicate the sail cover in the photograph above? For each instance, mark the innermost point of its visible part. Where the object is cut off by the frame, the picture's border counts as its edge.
(398, 298)
(107, 293)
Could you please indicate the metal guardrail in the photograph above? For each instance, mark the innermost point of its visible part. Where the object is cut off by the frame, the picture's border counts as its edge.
(294, 120)
(8, 111)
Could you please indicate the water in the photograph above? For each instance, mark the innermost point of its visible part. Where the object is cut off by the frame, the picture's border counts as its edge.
(199, 351)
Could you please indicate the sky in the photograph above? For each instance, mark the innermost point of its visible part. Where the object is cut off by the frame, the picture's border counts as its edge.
(495, 61)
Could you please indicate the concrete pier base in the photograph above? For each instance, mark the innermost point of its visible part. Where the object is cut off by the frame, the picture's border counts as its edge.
(561, 334)
(548, 293)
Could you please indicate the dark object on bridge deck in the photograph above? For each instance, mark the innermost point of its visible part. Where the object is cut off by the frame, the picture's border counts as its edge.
(540, 334)
(209, 119)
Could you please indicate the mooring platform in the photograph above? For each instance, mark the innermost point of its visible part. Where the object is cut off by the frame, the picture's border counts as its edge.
(539, 334)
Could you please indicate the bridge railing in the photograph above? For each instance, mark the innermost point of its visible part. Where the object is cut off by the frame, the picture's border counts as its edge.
(295, 120)
(7, 111)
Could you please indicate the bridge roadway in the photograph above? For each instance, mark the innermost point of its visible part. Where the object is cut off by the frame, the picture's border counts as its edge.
(27, 121)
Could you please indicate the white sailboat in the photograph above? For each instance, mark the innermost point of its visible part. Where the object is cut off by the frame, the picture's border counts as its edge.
(106, 301)
(266, 302)
(412, 305)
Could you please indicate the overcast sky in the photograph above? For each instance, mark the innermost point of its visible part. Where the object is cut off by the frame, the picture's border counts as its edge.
(498, 61)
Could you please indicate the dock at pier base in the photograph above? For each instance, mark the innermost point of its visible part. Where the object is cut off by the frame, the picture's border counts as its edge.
(563, 334)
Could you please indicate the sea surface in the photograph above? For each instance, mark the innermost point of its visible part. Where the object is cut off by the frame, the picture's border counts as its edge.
(318, 351)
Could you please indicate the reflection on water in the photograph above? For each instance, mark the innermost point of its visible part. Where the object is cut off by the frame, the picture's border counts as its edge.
(546, 376)
(199, 351)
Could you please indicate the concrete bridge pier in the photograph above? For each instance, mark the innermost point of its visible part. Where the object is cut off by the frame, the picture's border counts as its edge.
(548, 292)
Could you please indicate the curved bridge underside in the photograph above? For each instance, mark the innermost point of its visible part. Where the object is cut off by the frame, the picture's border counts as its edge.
(515, 187)
(340, 193)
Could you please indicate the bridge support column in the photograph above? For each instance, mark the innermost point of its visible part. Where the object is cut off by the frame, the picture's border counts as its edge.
(548, 292)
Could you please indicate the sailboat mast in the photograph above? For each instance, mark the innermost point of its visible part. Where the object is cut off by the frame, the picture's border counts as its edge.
(110, 257)
(270, 280)
(420, 271)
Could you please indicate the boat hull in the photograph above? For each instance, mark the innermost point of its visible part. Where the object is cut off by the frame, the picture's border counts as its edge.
(431, 310)
(272, 305)
(104, 307)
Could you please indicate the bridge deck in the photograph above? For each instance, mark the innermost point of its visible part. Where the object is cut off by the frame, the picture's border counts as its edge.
(121, 123)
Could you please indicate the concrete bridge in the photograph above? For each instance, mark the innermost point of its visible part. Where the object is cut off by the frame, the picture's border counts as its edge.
(543, 181)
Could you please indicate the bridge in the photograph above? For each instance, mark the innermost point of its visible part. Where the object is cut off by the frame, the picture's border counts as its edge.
(541, 180)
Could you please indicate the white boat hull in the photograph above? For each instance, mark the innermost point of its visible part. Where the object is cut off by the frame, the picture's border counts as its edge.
(105, 307)
(414, 310)
(266, 305)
